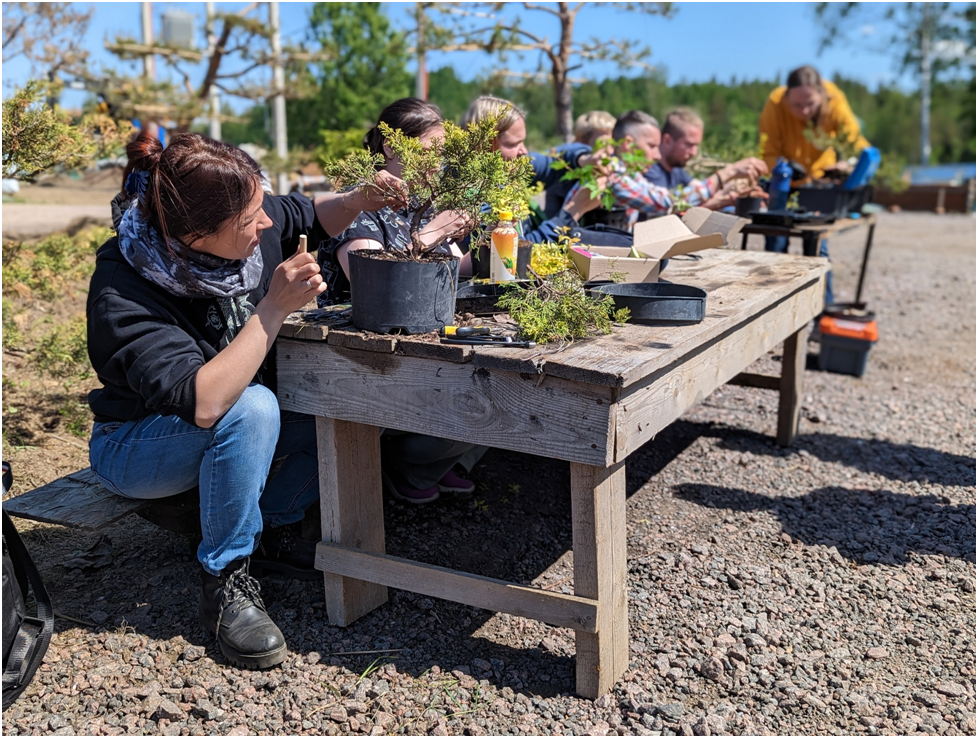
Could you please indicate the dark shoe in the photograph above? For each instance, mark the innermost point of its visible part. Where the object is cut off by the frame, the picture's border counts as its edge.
(231, 609)
(283, 551)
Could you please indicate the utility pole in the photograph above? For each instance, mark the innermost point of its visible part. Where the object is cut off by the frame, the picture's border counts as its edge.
(278, 101)
(421, 82)
(925, 58)
(214, 94)
(149, 61)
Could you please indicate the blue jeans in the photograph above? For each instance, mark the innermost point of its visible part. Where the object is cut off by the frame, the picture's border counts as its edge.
(159, 456)
(779, 244)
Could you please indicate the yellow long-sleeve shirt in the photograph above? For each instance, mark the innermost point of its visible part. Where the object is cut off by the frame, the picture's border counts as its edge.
(786, 133)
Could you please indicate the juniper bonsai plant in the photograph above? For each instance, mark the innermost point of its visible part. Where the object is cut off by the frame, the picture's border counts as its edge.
(459, 173)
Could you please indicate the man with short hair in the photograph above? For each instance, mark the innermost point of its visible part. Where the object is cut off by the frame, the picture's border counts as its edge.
(637, 130)
(681, 138)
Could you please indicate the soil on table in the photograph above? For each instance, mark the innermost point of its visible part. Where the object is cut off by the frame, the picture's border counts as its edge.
(824, 589)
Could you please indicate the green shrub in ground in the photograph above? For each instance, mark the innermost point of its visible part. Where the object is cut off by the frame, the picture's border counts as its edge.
(63, 352)
(75, 416)
(12, 337)
(49, 268)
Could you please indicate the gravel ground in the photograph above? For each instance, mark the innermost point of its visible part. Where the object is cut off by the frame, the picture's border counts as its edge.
(823, 589)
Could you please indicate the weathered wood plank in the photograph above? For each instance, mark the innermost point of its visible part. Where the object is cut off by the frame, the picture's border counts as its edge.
(558, 419)
(738, 284)
(564, 611)
(352, 504)
(313, 323)
(600, 573)
(646, 409)
(357, 340)
(77, 501)
(792, 387)
(759, 381)
(521, 361)
(455, 353)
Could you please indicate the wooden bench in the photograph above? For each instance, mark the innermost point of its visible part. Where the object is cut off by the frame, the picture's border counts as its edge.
(79, 500)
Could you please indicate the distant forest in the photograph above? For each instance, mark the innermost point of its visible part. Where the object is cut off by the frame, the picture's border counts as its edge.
(890, 116)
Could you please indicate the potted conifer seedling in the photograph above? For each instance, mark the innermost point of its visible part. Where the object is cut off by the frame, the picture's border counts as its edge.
(413, 290)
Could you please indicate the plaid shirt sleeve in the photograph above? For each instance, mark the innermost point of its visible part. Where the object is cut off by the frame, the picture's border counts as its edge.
(640, 194)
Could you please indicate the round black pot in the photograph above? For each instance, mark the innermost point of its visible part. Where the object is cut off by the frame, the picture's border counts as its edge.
(402, 296)
(744, 206)
(658, 303)
(616, 218)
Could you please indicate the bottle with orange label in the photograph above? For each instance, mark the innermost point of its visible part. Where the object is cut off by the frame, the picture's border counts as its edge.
(502, 253)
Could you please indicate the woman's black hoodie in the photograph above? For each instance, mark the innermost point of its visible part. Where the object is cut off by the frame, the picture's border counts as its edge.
(147, 344)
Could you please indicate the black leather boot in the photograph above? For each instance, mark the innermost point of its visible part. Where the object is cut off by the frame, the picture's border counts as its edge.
(283, 551)
(232, 609)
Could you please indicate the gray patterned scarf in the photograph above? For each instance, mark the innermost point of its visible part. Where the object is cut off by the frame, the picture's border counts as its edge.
(199, 274)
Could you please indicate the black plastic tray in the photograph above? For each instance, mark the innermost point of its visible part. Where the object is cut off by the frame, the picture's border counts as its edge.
(658, 303)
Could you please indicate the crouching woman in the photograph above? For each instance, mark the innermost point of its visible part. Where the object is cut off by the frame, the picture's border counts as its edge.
(184, 306)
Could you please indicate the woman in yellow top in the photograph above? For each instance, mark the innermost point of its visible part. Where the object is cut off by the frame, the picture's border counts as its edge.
(807, 103)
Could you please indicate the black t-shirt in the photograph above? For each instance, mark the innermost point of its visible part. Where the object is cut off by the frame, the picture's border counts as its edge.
(389, 228)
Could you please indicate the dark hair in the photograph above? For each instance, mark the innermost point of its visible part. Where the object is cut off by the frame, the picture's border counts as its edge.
(805, 76)
(413, 116)
(194, 186)
(627, 122)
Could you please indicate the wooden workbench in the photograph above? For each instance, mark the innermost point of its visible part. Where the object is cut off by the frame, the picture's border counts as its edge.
(592, 404)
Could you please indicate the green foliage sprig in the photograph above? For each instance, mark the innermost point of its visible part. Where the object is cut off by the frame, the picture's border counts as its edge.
(459, 173)
(630, 162)
(558, 309)
(37, 138)
(551, 257)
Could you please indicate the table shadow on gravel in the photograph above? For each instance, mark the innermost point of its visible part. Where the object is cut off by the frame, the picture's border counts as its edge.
(866, 526)
(898, 461)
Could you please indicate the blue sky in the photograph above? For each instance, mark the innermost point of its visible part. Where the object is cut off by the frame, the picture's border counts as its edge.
(702, 41)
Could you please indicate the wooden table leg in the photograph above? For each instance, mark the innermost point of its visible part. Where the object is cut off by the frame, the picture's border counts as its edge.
(792, 386)
(601, 573)
(351, 497)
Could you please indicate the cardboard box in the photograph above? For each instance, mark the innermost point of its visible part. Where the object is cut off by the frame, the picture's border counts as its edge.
(600, 262)
(658, 239)
(703, 222)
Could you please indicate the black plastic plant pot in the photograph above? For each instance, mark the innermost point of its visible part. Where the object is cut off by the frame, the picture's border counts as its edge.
(616, 218)
(744, 206)
(402, 295)
(658, 303)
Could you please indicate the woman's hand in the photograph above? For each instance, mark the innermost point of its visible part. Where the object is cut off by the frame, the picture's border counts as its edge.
(337, 210)
(598, 157)
(385, 191)
(446, 224)
(295, 282)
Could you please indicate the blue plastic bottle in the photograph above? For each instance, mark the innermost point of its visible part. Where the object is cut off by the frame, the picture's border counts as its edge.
(780, 186)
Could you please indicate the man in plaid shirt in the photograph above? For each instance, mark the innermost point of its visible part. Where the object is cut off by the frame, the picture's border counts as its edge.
(638, 130)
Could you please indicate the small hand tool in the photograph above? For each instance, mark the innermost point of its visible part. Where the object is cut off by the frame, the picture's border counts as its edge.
(466, 331)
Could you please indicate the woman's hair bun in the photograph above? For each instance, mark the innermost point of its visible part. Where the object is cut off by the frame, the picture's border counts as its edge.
(144, 152)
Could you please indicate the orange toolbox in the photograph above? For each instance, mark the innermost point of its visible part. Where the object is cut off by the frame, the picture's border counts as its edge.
(847, 336)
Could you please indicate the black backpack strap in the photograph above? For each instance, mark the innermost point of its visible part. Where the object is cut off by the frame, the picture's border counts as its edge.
(34, 634)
